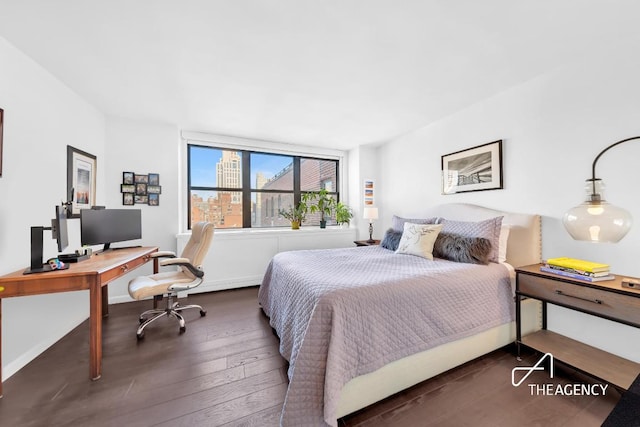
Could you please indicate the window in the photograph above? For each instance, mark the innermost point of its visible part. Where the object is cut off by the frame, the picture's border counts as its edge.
(244, 189)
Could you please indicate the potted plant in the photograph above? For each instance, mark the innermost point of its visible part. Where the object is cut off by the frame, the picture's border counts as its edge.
(343, 213)
(295, 214)
(320, 202)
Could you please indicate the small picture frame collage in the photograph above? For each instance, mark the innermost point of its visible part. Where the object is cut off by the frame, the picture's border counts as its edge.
(140, 189)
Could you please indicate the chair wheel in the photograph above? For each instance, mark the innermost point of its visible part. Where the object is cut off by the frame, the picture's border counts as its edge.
(203, 313)
(140, 335)
(183, 329)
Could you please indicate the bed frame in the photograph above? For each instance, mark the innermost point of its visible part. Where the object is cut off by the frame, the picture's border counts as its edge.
(524, 247)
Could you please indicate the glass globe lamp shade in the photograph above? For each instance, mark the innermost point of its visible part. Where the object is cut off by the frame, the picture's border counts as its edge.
(595, 220)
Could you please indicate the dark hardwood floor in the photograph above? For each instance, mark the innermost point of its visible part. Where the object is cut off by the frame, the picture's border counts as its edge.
(226, 370)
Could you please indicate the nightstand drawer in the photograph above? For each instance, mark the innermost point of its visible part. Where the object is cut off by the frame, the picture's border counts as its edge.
(600, 302)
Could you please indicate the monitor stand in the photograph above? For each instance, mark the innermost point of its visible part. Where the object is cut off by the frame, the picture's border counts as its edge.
(106, 247)
(37, 266)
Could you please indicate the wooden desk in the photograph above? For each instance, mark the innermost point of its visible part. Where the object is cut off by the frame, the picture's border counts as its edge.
(93, 274)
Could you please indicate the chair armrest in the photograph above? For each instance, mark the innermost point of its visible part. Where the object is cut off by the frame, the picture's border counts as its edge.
(163, 254)
(183, 262)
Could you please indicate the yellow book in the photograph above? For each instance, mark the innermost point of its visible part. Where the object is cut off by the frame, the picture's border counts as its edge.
(578, 264)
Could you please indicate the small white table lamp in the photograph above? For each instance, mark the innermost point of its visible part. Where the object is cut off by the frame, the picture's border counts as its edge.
(370, 214)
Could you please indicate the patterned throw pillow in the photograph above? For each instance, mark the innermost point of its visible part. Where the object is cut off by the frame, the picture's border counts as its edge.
(453, 247)
(397, 223)
(489, 229)
(418, 239)
(391, 239)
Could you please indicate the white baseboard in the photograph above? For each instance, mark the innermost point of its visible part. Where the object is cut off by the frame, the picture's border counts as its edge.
(219, 285)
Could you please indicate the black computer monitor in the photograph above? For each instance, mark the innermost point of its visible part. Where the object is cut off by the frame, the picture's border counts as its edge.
(59, 228)
(106, 226)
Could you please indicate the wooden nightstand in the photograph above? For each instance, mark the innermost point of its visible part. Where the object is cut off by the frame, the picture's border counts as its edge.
(606, 299)
(366, 243)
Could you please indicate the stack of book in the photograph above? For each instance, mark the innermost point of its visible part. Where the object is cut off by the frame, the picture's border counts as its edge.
(578, 269)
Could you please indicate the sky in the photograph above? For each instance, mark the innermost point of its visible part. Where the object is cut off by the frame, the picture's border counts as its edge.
(204, 160)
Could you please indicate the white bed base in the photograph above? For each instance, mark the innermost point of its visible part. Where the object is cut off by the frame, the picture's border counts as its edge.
(364, 390)
(524, 247)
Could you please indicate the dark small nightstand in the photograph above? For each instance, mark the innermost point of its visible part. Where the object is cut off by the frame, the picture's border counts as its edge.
(366, 243)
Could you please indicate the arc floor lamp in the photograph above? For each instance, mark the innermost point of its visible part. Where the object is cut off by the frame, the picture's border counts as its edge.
(596, 220)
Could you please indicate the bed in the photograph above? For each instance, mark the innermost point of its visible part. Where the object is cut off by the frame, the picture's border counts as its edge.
(360, 324)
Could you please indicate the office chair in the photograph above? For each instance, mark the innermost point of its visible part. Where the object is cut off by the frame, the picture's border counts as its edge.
(188, 276)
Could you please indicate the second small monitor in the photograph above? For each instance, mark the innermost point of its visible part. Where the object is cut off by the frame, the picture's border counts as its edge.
(106, 226)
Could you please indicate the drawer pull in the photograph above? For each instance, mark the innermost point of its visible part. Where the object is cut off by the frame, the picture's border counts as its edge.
(125, 268)
(597, 301)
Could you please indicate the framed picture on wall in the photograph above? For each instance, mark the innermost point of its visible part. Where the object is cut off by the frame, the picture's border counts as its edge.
(81, 179)
(128, 199)
(141, 179)
(128, 177)
(154, 199)
(368, 192)
(473, 169)
(141, 189)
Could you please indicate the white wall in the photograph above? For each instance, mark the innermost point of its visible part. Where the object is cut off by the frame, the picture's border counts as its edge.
(240, 258)
(363, 165)
(144, 147)
(552, 128)
(42, 117)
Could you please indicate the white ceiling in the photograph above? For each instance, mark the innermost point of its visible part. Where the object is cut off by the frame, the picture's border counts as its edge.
(333, 73)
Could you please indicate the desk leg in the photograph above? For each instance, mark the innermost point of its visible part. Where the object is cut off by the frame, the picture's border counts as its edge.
(95, 331)
(105, 301)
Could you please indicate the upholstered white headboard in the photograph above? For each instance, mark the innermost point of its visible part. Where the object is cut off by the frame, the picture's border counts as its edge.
(524, 246)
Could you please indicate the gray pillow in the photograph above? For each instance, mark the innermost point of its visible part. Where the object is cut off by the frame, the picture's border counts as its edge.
(397, 223)
(391, 239)
(454, 247)
(489, 229)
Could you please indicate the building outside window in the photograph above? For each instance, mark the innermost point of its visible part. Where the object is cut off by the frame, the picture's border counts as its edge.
(246, 189)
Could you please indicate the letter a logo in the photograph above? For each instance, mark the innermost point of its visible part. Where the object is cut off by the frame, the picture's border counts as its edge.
(529, 369)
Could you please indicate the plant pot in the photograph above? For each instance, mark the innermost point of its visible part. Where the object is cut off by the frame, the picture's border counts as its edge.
(295, 225)
(323, 224)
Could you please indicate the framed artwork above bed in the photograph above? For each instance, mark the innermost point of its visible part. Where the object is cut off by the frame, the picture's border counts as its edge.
(473, 169)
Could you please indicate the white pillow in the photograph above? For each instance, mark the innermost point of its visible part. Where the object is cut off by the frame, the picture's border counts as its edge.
(502, 245)
(418, 239)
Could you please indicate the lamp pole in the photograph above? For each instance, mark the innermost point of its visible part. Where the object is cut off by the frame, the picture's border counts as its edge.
(595, 196)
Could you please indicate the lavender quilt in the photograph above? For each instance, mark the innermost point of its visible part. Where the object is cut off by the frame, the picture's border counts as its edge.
(341, 313)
